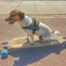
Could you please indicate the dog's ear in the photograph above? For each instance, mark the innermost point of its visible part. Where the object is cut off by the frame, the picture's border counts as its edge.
(21, 14)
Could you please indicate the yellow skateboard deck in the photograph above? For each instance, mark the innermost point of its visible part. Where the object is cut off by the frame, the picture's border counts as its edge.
(19, 42)
(22, 42)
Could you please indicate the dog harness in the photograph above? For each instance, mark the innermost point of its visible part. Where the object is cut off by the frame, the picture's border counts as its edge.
(34, 26)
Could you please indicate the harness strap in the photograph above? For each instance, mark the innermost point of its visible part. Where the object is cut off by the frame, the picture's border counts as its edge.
(34, 26)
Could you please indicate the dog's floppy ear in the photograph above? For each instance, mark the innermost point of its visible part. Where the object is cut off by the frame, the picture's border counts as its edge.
(21, 14)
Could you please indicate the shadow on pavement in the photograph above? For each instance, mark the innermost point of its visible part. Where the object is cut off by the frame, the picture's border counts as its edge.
(31, 55)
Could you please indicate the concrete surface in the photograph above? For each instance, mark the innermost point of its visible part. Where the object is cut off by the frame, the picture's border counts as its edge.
(34, 7)
(50, 12)
(43, 56)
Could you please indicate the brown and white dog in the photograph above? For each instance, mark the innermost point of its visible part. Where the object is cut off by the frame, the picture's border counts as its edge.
(44, 31)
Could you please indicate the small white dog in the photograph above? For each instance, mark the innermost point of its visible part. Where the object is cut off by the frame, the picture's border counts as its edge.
(44, 31)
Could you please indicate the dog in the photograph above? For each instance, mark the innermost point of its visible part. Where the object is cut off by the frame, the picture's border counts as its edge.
(44, 31)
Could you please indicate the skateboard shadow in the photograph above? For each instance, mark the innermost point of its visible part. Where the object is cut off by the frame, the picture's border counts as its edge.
(31, 55)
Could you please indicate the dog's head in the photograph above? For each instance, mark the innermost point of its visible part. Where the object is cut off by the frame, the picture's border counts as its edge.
(14, 16)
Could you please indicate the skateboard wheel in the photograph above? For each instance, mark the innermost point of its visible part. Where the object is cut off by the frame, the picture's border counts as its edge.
(4, 53)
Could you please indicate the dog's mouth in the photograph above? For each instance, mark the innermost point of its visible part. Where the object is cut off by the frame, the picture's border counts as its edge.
(9, 20)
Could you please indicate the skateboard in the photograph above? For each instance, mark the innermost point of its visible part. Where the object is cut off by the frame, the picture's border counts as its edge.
(27, 42)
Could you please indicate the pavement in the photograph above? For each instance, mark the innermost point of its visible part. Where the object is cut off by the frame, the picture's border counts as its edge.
(42, 56)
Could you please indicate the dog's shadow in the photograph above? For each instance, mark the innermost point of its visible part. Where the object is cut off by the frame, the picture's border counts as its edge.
(31, 55)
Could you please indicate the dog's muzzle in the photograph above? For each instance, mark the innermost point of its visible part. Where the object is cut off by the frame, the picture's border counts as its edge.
(9, 20)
